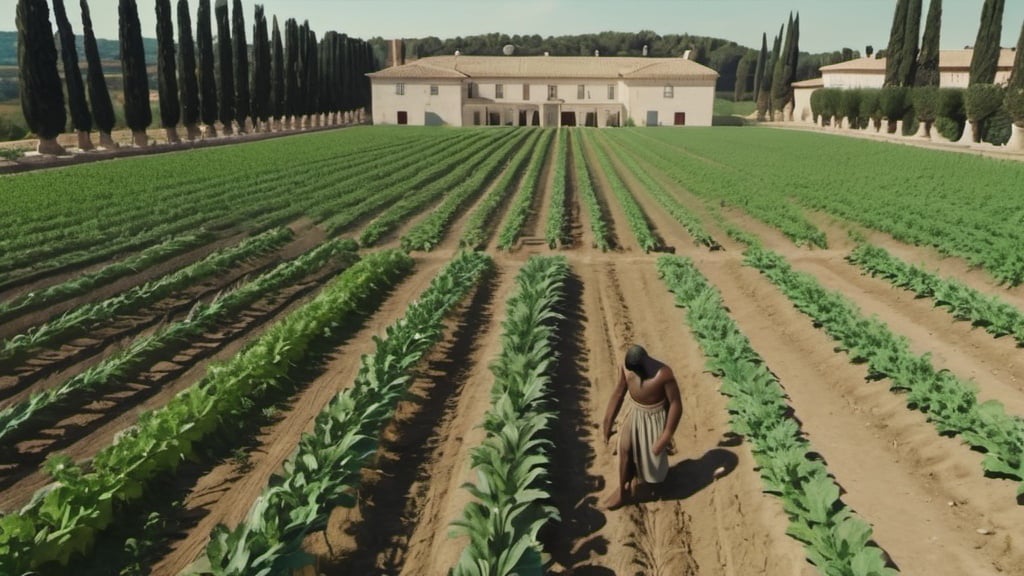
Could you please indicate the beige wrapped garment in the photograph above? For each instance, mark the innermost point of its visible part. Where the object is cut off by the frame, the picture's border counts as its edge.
(642, 425)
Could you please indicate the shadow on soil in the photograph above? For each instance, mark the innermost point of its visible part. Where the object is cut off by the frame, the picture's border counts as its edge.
(574, 539)
(379, 542)
(689, 477)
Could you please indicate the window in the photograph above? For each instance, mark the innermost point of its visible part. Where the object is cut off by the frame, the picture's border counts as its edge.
(581, 92)
(669, 92)
(552, 91)
(499, 91)
(433, 89)
(526, 91)
(400, 89)
(611, 91)
(469, 90)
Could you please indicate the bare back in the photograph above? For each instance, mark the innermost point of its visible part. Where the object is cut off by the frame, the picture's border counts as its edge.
(651, 390)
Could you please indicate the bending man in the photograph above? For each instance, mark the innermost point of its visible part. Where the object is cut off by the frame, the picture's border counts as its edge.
(653, 410)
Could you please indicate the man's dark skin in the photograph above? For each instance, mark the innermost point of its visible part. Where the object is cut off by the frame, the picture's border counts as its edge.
(650, 382)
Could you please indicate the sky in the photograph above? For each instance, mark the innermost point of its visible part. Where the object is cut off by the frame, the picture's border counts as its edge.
(825, 25)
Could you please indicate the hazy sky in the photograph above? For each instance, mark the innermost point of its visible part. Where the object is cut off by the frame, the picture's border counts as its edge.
(825, 25)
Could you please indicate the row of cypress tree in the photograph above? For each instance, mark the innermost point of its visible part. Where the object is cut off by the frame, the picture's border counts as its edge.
(775, 72)
(297, 77)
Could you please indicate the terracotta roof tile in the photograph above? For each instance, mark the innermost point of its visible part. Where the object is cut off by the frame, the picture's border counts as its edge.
(548, 67)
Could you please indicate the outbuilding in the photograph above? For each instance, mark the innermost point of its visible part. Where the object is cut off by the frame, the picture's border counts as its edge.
(544, 91)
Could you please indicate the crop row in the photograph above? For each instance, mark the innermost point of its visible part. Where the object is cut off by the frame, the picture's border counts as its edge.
(428, 232)
(326, 468)
(837, 541)
(951, 404)
(65, 519)
(718, 183)
(524, 198)
(116, 211)
(513, 461)
(963, 302)
(556, 229)
(368, 194)
(671, 205)
(84, 283)
(635, 216)
(585, 189)
(416, 200)
(81, 319)
(15, 420)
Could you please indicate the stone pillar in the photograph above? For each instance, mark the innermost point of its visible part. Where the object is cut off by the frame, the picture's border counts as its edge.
(899, 128)
(140, 139)
(50, 146)
(106, 141)
(968, 136)
(84, 141)
(922, 131)
(1016, 142)
(172, 135)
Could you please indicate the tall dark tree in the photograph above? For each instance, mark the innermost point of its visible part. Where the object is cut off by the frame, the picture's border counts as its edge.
(794, 59)
(207, 72)
(137, 113)
(897, 35)
(742, 78)
(762, 62)
(188, 81)
(291, 71)
(985, 58)
(779, 71)
(769, 72)
(928, 59)
(311, 71)
(99, 94)
(225, 67)
(167, 71)
(261, 69)
(1015, 96)
(1017, 74)
(42, 99)
(278, 88)
(241, 52)
(911, 35)
(81, 120)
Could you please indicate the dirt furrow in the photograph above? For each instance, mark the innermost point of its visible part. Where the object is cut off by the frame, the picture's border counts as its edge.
(897, 472)
(625, 240)
(224, 493)
(535, 227)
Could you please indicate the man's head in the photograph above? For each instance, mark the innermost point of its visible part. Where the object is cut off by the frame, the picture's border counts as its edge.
(636, 360)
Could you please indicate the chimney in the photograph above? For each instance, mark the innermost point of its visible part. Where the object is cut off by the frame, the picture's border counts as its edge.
(397, 55)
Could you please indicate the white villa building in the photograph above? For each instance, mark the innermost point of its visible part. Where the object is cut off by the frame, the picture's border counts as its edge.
(954, 72)
(544, 91)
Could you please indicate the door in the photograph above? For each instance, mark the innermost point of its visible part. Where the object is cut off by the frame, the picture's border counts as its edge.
(680, 119)
(403, 117)
(652, 117)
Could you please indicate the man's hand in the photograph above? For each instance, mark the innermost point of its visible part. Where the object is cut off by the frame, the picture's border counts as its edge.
(659, 446)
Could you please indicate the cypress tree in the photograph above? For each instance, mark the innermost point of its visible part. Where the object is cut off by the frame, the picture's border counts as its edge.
(794, 58)
(742, 77)
(137, 113)
(241, 65)
(762, 61)
(769, 74)
(261, 68)
(1017, 74)
(908, 60)
(188, 81)
(1015, 95)
(81, 120)
(928, 59)
(42, 99)
(207, 74)
(277, 81)
(894, 53)
(312, 73)
(225, 67)
(291, 70)
(96, 82)
(779, 71)
(985, 58)
(167, 72)
(302, 79)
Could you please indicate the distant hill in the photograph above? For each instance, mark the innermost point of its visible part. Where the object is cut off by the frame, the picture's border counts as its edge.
(109, 49)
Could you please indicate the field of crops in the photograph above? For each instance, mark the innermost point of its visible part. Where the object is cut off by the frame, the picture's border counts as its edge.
(389, 351)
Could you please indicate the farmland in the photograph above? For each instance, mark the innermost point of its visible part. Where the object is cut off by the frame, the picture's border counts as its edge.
(389, 350)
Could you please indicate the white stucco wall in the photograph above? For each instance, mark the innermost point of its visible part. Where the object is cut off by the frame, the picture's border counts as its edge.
(417, 102)
(697, 102)
(595, 91)
(802, 105)
(853, 79)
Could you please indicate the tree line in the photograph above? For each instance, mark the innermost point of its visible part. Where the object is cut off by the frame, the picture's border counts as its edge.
(911, 93)
(279, 81)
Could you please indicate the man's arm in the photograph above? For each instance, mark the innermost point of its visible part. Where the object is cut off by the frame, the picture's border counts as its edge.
(614, 404)
(675, 412)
